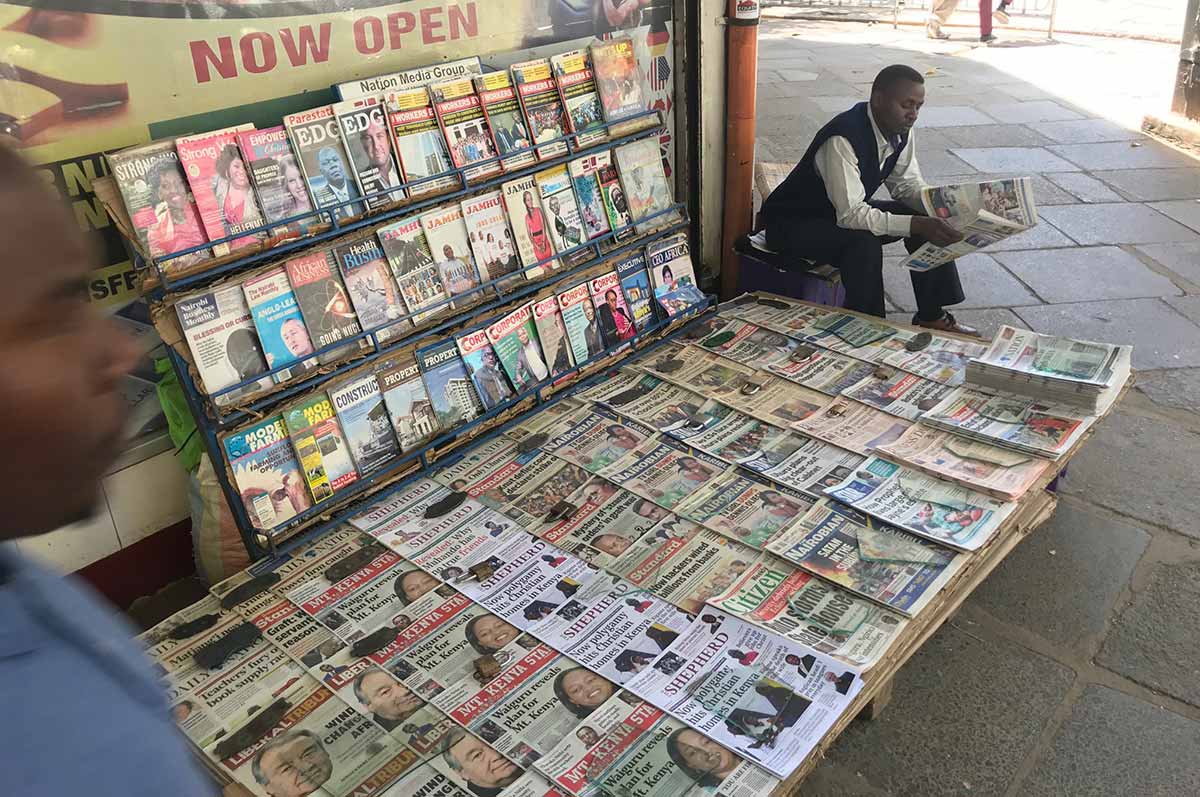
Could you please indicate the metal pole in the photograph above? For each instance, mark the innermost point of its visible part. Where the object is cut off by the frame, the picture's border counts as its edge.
(741, 87)
(1053, 13)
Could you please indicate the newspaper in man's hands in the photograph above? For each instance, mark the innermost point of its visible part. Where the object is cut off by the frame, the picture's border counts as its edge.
(985, 213)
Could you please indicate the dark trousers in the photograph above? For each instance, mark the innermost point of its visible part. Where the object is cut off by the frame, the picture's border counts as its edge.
(858, 255)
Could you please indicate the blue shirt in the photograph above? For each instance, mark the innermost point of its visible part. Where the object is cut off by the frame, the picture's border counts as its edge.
(81, 711)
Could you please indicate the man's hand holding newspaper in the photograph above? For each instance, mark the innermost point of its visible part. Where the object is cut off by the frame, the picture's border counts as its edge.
(981, 213)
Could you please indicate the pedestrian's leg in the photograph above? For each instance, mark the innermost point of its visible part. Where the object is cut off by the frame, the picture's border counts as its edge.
(985, 21)
(857, 254)
(939, 12)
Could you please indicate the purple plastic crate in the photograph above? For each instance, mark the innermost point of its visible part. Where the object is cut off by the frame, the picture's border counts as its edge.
(755, 274)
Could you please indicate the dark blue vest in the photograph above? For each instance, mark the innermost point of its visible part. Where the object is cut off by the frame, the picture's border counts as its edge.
(803, 195)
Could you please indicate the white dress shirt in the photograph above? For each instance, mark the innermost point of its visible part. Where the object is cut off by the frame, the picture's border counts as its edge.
(837, 165)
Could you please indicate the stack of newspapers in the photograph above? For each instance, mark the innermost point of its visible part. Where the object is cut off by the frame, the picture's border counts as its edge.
(1076, 373)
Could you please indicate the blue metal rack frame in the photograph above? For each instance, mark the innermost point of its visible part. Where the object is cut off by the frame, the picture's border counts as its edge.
(212, 420)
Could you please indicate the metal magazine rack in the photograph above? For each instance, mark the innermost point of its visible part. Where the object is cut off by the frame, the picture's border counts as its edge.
(486, 301)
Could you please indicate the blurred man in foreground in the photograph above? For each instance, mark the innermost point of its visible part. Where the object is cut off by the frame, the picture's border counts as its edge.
(83, 712)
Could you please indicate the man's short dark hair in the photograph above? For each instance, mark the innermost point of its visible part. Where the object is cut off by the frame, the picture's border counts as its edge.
(890, 76)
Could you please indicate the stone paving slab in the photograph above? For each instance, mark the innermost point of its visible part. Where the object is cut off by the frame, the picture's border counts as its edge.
(1154, 641)
(1121, 155)
(1116, 223)
(792, 87)
(1187, 305)
(988, 135)
(964, 714)
(985, 284)
(1115, 744)
(836, 104)
(1023, 91)
(935, 164)
(1151, 185)
(1017, 160)
(1184, 211)
(1088, 274)
(1142, 468)
(1178, 388)
(1084, 186)
(1044, 236)
(953, 116)
(1029, 111)
(1160, 336)
(1062, 581)
(1085, 131)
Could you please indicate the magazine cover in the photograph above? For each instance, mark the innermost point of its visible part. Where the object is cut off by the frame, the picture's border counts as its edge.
(503, 112)
(616, 320)
(320, 446)
(412, 265)
(371, 287)
(577, 88)
(619, 83)
(647, 190)
(454, 399)
(562, 214)
(317, 142)
(515, 340)
(615, 204)
(161, 206)
(579, 317)
(223, 342)
(406, 400)
(364, 127)
(221, 185)
(266, 473)
(324, 304)
(359, 407)
(892, 567)
(552, 336)
(585, 178)
(424, 159)
(468, 136)
(280, 327)
(491, 240)
(277, 180)
(446, 235)
(635, 284)
(529, 225)
(542, 106)
(675, 287)
(480, 361)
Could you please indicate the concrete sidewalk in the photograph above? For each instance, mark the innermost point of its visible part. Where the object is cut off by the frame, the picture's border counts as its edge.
(1075, 669)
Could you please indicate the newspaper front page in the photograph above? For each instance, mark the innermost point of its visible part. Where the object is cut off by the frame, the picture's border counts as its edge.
(765, 697)
(668, 473)
(1010, 421)
(824, 371)
(853, 426)
(835, 542)
(809, 611)
(898, 393)
(988, 469)
(932, 508)
(745, 507)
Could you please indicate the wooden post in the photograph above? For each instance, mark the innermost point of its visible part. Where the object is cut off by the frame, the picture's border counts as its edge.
(741, 85)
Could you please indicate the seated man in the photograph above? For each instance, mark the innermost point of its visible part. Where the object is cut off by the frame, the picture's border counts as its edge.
(824, 211)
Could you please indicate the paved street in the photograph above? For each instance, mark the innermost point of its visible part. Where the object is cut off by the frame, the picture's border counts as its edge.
(1075, 669)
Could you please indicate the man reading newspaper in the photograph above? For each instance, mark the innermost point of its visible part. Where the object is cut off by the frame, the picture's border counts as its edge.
(824, 210)
(83, 710)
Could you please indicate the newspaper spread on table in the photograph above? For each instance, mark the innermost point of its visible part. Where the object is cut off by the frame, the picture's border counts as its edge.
(898, 393)
(745, 507)
(668, 473)
(985, 213)
(932, 508)
(853, 426)
(899, 570)
(821, 370)
(767, 698)
(629, 747)
(810, 611)
(988, 469)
